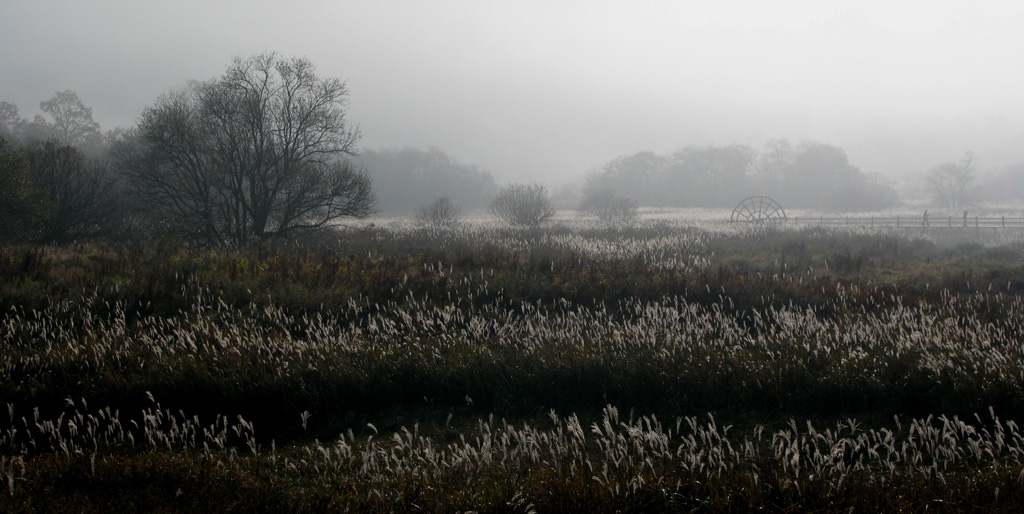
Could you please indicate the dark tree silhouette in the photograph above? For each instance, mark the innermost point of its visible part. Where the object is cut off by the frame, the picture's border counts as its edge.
(79, 193)
(20, 202)
(260, 152)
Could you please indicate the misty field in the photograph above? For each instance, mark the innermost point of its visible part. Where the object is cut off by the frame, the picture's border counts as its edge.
(671, 366)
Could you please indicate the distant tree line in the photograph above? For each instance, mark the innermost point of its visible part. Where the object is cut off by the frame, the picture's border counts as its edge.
(1006, 184)
(406, 178)
(805, 175)
(266, 152)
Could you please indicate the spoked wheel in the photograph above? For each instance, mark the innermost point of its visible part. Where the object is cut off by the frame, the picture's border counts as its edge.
(758, 209)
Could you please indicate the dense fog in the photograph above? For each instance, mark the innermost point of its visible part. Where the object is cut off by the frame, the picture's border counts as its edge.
(844, 108)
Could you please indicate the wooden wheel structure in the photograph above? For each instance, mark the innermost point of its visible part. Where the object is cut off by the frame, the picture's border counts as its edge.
(758, 209)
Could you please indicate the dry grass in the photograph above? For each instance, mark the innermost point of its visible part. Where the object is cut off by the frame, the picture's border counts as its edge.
(381, 379)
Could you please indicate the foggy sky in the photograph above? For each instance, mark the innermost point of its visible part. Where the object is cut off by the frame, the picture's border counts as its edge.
(543, 91)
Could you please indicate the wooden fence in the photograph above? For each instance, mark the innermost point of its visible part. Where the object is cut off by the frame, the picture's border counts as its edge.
(909, 222)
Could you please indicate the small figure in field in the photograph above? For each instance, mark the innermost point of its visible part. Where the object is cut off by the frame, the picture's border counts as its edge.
(924, 223)
(965, 218)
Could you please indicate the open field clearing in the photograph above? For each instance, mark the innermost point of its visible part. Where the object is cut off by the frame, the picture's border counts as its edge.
(671, 366)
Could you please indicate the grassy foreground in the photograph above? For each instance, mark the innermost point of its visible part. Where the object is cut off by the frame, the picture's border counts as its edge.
(659, 369)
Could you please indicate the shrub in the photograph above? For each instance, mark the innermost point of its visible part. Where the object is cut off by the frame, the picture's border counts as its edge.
(610, 209)
(441, 213)
(523, 205)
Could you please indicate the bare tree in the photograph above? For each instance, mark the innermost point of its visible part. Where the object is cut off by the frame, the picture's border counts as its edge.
(79, 192)
(10, 121)
(260, 152)
(523, 205)
(441, 213)
(609, 208)
(70, 120)
(951, 184)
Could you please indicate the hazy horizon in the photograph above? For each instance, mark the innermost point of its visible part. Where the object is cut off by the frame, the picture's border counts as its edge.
(541, 92)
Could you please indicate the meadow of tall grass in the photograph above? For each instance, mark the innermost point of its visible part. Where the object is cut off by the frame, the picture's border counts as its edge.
(664, 367)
